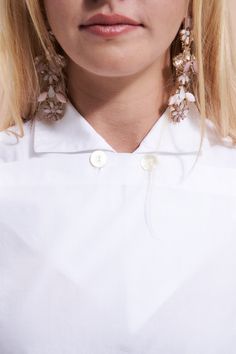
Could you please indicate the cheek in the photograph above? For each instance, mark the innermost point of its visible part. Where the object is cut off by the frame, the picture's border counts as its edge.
(165, 18)
(63, 16)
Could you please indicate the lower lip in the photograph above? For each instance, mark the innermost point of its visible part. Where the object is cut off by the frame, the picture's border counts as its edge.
(109, 31)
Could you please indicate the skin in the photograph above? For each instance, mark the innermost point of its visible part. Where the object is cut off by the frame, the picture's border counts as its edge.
(121, 85)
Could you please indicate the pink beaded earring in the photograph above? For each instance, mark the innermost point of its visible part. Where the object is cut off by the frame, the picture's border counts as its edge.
(186, 67)
(52, 99)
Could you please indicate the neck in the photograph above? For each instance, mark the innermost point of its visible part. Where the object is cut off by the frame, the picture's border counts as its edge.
(121, 109)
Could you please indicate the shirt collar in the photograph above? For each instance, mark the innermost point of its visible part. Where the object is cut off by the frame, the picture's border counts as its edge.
(73, 133)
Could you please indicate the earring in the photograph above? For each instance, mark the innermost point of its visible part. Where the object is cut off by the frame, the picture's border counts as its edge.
(186, 67)
(52, 99)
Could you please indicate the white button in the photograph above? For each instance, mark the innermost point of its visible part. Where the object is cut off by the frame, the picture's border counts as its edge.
(98, 158)
(148, 162)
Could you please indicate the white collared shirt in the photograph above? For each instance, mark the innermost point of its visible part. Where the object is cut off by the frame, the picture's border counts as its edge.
(106, 253)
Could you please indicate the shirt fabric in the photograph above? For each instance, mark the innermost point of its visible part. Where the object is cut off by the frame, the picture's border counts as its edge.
(103, 252)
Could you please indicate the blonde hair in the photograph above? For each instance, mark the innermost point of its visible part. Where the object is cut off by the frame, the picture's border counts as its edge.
(24, 35)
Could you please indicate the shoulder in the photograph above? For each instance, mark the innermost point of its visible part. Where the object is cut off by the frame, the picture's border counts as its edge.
(219, 151)
(13, 147)
(215, 172)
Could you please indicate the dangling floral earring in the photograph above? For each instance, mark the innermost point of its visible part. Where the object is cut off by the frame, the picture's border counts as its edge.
(186, 67)
(52, 99)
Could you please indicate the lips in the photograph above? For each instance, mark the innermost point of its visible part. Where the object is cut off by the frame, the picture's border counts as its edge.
(109, 20)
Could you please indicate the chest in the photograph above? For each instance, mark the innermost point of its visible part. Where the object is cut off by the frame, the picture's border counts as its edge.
(118, 257)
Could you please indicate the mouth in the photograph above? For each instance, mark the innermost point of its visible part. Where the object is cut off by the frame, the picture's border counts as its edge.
(110, 20)
(109, 25)
(109, 31)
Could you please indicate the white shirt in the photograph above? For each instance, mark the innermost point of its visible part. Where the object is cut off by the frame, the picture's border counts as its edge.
(104, 252)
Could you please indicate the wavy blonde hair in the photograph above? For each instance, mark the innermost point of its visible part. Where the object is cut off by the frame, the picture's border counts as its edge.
(24, 35)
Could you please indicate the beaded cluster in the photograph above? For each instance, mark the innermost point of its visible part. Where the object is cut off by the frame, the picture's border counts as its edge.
(52, 99)
(186, 67)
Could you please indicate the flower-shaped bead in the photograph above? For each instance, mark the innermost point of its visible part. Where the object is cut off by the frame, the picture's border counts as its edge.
(180, 112)
(51, 94)
(181, 96)
(184, 78)
(185, 36)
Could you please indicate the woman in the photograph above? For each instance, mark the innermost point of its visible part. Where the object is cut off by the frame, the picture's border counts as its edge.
(117, 177)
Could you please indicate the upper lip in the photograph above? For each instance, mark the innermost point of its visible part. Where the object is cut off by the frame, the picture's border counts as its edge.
(102, 19)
